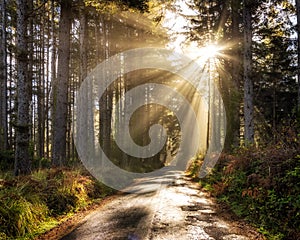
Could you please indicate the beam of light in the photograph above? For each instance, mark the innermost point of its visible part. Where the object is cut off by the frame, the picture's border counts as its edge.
(209, 51)
(202, 54)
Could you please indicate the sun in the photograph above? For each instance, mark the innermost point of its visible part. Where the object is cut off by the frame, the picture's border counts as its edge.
(202, 54)
(209, 51)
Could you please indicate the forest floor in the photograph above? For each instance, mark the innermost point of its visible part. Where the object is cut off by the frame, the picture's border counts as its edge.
(178, 210)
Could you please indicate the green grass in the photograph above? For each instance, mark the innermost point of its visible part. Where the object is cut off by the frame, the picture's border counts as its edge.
(31, 205)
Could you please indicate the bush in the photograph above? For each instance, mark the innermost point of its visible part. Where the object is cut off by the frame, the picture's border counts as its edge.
(20, 212)
(28, 201)
(262, 185)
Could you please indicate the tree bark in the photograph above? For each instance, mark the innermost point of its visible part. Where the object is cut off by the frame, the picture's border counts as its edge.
(105, 101)
(22, 155)
(235, 97)
(47, 85)
(83, 44)
(3, 79)
(60, 98)
(298, 53)
(41, 94)
(248, 83)
(53, 71)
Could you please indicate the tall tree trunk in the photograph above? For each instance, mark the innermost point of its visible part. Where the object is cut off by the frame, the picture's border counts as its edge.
(105, 101)
(22, 156)
(53, 71)
(41, 94)
(60, 98)
(233, 87)
(46, 109)
(11, 57)
(88, 111)
(248, 83)
(3, 79)
(298, 67)
(47, 86)
(83, 44)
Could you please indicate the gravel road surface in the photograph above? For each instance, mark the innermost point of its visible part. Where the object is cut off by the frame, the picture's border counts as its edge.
(177, 210)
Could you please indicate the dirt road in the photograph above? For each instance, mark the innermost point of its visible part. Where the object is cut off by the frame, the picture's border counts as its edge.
(178, 210)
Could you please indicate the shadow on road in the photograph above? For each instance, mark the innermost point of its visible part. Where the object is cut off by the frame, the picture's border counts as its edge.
(129, 218)
(123, 223)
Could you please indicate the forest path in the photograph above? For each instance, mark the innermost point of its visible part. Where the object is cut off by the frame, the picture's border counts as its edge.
(178, 210)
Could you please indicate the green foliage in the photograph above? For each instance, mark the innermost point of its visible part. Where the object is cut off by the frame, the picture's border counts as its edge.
(19, 216)
(262, 185)
(27, 202)
(274, 66)
(20, 210)
(194, 167)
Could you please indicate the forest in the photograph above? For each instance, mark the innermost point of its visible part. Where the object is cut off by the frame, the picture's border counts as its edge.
(95, 94)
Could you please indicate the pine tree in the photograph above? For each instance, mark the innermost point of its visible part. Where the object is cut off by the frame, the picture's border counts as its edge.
(248, 83)
(3, 78)
(60, 98)
(22, 155)
(298, 41)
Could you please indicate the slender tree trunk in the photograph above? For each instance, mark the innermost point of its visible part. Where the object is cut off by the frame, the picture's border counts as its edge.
(41, 95)
(30, 76)
(105, 101)
(88, 116)
(248, 83)
(53, 71)
(83, 45)
(3, 79)
(22, 156)
(232, 88)
(298, 67)
(11, 140)
(60, 98)
(47, 90)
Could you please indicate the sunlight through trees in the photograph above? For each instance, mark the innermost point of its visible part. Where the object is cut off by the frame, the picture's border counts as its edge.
(245, 56)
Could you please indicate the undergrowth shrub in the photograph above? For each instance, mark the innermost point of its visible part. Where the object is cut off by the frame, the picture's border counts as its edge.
(20, 210)
(19, 216)
(25, 202)
(262, 185)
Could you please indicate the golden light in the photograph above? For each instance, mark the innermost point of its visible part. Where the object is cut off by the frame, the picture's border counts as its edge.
(209, 51)
(202, 54)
